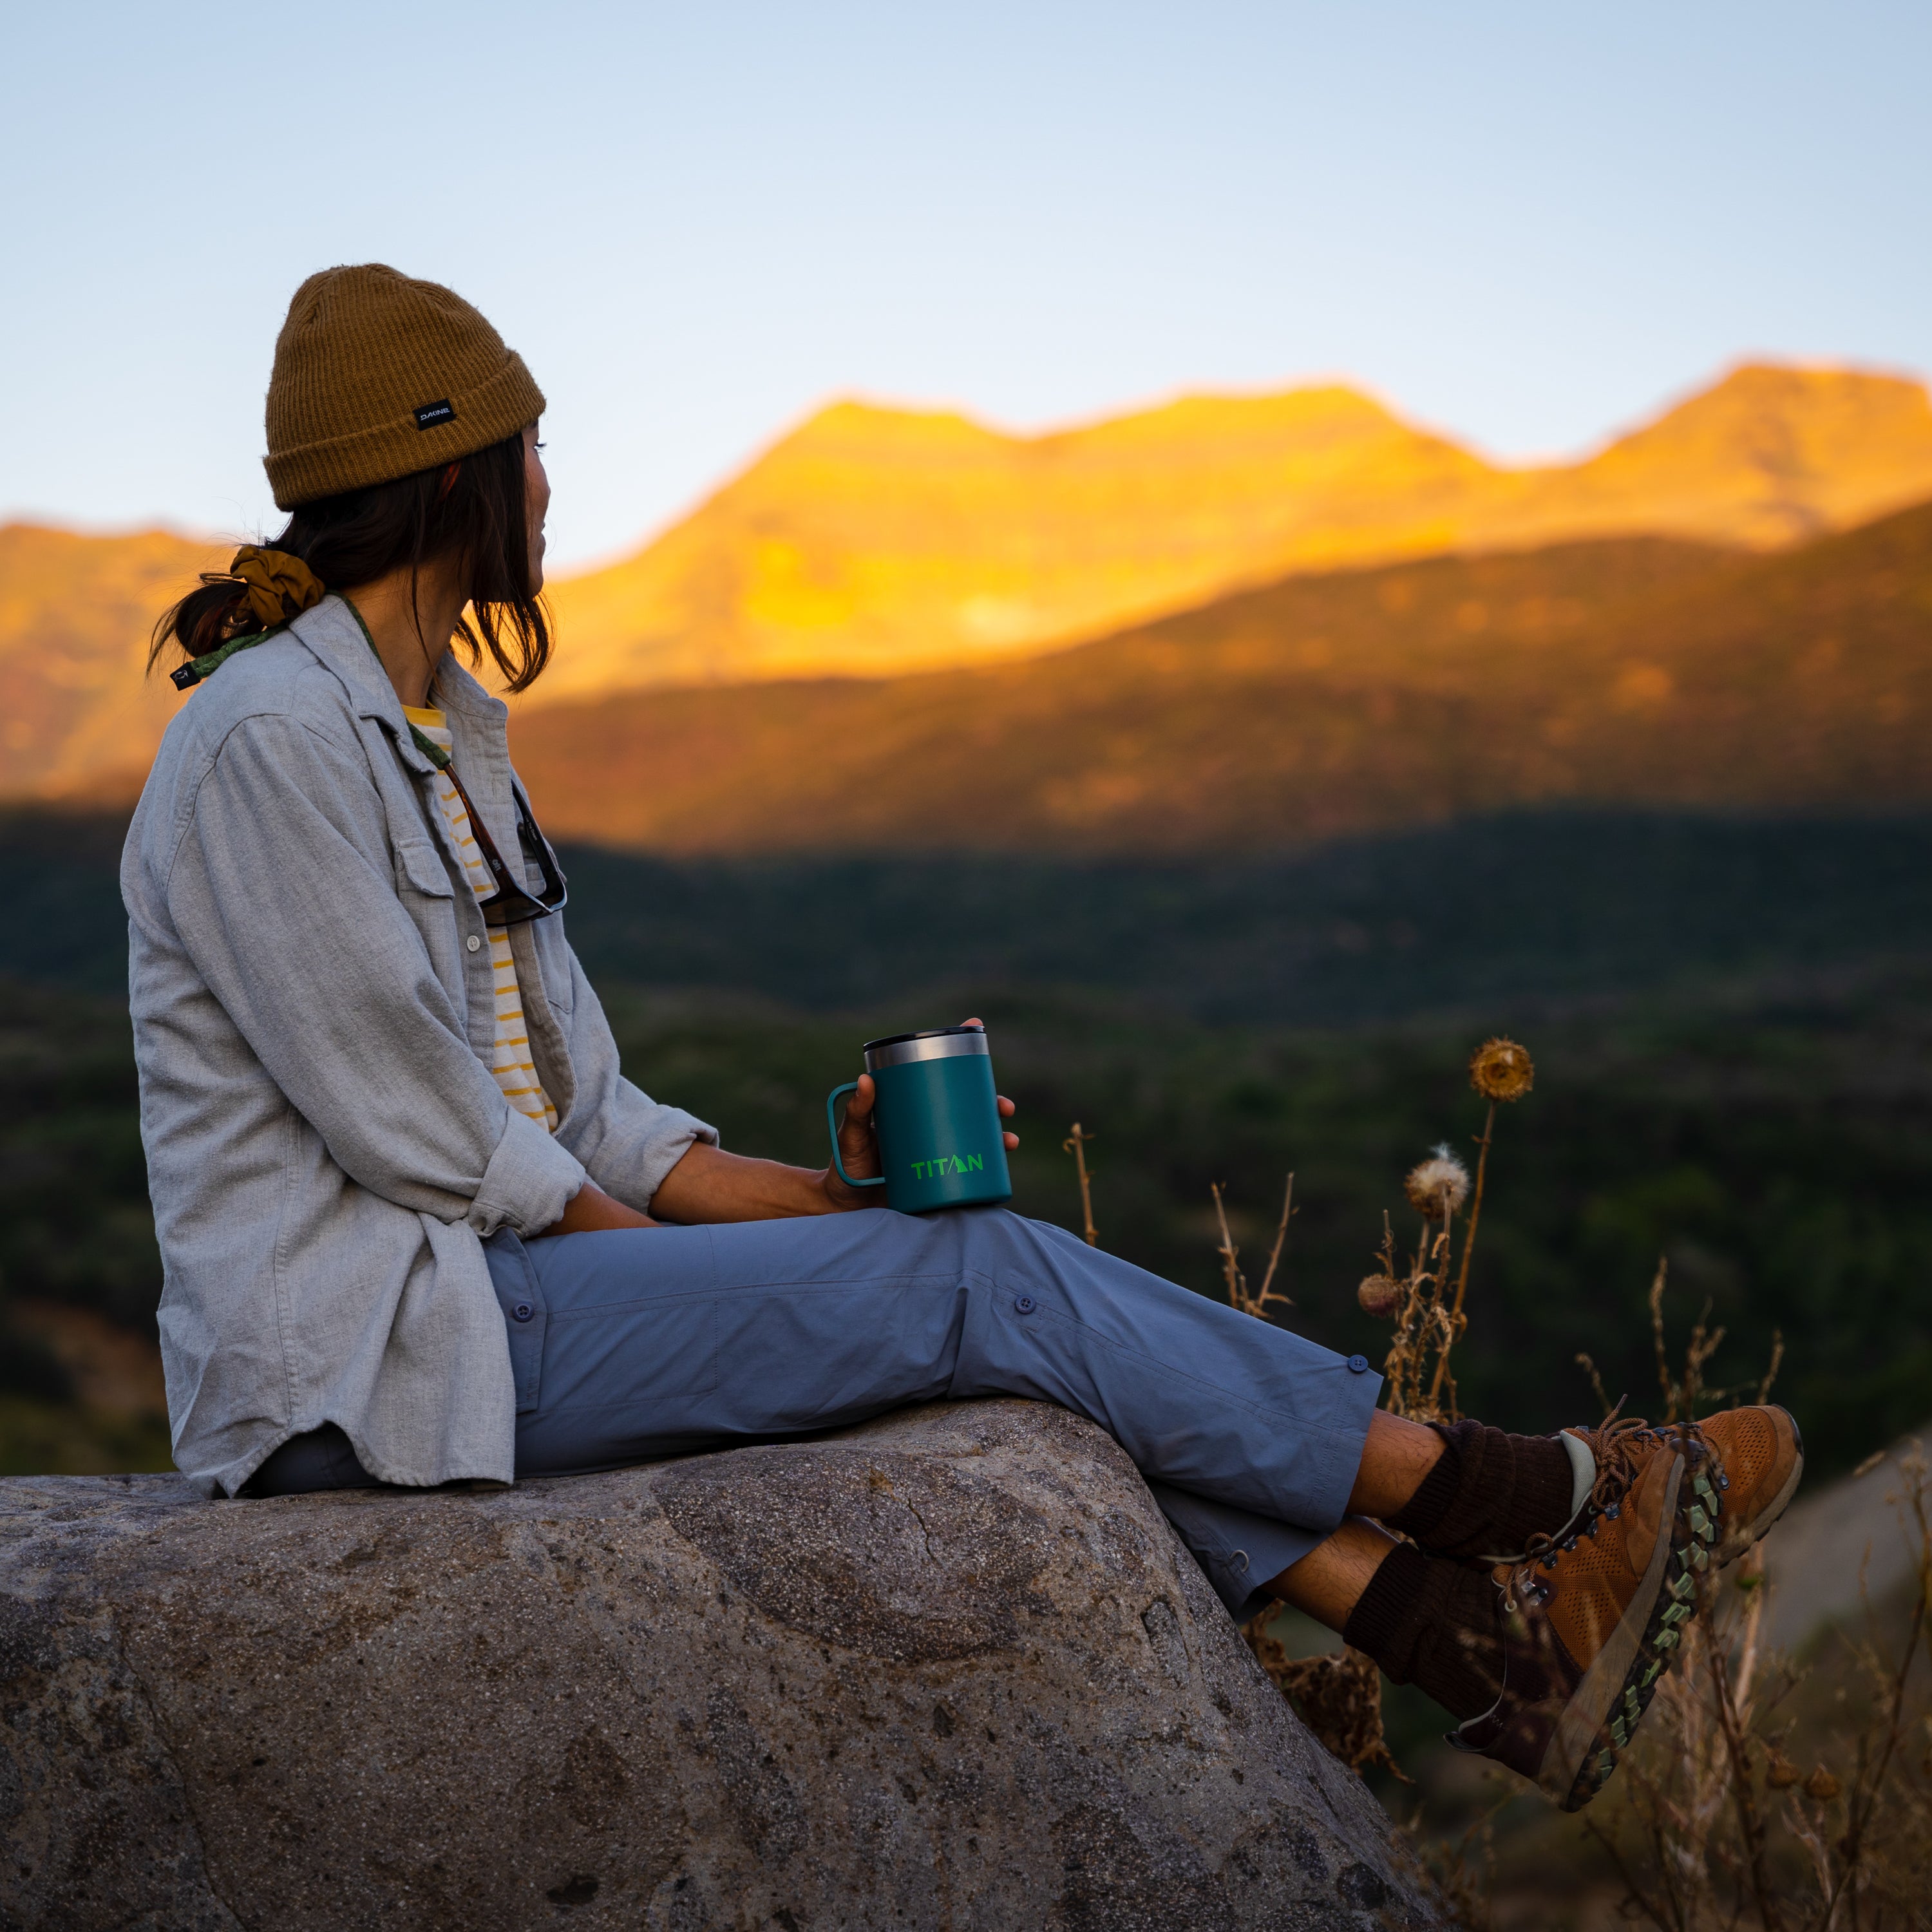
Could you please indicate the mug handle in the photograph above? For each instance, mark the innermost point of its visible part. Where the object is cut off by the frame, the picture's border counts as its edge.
(832, 1122)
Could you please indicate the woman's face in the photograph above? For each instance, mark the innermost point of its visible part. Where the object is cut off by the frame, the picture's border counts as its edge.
(536, 500)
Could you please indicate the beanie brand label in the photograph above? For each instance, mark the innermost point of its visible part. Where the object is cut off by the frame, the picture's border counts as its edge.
(431, 414)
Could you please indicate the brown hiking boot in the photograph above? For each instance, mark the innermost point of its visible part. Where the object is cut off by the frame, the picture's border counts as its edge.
(1760, 1456)
(1759, 1445)
(1588, 1622)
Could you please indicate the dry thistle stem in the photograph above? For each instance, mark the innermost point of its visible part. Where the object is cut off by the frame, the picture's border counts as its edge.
(1589, 1365)
(1077, 1144)
(1438, 1186)
(1230, 1256)
(1502, 1070)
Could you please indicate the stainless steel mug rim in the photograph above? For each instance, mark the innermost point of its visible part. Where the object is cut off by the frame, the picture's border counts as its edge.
(938, 1043)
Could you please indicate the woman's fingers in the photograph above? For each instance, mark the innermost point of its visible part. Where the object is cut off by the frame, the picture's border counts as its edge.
(859, 1107)
(1011, 1140)
(1007, 1109)
(856, 1146)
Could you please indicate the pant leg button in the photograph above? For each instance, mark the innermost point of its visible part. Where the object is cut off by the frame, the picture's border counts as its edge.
(1359, 1363)
(522, 1311)
(1024, 1303)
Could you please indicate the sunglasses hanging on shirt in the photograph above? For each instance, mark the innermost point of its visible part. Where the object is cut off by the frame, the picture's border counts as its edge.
(511, 903)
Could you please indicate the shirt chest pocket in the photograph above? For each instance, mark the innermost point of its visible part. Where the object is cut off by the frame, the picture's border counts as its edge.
(423, 886)
(420, 870)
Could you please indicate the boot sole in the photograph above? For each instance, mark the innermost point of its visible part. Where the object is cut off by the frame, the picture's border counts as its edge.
(1604, 1711)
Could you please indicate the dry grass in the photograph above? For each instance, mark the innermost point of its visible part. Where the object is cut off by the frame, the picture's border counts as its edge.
(1716, 1821)
(1338, 1694)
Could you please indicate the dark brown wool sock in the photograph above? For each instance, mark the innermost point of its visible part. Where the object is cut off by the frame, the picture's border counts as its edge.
(1489, 1492)
(1432, 1624)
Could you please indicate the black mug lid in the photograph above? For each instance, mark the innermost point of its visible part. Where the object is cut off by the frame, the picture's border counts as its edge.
(930, 1032)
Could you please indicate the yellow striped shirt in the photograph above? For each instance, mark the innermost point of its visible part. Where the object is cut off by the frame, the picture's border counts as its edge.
(510, 1059)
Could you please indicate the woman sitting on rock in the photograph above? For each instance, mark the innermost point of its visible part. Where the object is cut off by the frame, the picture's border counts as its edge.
(418, 1229)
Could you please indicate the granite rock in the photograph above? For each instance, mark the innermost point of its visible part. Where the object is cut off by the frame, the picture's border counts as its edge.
(950, 1670)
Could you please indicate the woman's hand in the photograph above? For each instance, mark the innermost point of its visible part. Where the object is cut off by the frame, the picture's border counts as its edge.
(859, 1147)
(591, 1209)
(709, 1184)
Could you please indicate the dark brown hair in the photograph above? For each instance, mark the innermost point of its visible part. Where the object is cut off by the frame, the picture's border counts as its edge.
(479, 515)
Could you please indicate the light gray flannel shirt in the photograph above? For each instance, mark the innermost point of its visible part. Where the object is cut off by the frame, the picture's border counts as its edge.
(313, 1012)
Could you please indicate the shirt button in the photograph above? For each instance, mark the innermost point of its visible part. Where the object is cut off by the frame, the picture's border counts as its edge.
(472, 942)
(1024, 1303)
(1358, 1363)
(522, 1311)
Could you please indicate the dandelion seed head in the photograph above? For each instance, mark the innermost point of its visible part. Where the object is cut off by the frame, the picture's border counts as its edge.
(1438, 1186)
(1502, 1070)
(1379, 1294)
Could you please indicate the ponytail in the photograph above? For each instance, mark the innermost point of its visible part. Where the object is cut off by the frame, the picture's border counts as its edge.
(260, 590)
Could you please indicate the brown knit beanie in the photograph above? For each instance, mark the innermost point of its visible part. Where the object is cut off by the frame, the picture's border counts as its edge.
(377, 375)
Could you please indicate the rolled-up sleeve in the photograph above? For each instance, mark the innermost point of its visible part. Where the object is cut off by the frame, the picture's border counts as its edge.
(627, 1141)
(282, 887)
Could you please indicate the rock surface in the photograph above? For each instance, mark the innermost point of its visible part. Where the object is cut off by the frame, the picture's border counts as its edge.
(951, 1669)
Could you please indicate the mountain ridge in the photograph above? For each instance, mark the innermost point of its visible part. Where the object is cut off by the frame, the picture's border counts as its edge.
(872, 541)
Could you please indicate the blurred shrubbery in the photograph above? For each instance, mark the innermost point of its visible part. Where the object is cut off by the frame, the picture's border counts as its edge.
(1735, 1057)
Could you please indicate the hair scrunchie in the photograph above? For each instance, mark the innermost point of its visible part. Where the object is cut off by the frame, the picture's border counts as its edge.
(280, 586)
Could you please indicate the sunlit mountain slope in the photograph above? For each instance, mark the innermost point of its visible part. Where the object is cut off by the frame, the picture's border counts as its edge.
(872, 540)
(1632, 670)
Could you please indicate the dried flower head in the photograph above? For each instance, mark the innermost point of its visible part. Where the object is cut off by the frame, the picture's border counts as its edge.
(1438, 1186)
(1783, 1773)
(1502, 1070)
(1379, 1294)
(1821, 1786)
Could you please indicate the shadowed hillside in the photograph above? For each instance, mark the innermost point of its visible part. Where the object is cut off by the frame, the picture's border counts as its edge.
(873, 541)
(1633, 672)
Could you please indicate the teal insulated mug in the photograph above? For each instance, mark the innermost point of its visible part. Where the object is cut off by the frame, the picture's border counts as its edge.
(941, 1141)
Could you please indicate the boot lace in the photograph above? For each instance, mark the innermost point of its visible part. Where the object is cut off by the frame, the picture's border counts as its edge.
(1622, 1446)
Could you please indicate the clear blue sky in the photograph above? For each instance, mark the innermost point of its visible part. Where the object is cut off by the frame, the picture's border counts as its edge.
(1527, 224)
